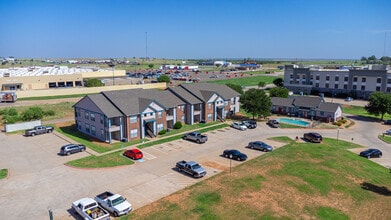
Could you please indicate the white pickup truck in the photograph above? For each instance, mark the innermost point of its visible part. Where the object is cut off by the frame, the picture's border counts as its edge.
(114, 203)
(89, 209)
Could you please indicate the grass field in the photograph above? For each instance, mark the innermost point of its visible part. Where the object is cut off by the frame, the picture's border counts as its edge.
(359, 110)
(246, 81)
(297, 181)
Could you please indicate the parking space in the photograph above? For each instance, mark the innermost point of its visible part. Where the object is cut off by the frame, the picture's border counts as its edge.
(39, 179)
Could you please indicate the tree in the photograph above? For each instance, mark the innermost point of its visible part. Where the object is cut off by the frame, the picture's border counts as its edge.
(363, 59)
(279, 82)
(164, 78)
(279, 92)
(32, 113)
(150, 66)
(256, 102)
(237, 88)
(379, 103)
(94, 83)
(261, 84)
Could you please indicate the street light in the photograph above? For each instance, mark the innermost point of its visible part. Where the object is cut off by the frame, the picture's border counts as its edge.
(112, 65)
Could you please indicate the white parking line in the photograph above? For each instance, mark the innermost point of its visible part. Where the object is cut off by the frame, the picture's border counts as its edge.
(148, 156)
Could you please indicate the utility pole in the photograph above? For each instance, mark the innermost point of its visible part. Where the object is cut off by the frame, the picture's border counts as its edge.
(146, 45)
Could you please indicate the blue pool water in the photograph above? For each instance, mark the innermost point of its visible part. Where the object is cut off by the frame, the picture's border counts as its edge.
(294, 122)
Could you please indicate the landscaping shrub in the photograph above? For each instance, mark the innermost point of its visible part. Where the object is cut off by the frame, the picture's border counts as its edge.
(338, 123)
(178, 125)
(32, 113)
(343, 121)
(11, 119)
(162, 132)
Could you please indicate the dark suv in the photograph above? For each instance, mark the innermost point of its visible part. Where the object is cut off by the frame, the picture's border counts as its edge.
(250, 123)
(313, 137)
(72, 148)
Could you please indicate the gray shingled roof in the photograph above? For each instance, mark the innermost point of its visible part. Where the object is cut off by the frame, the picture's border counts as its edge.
(104, 105)
(282, 101)
(328, 107)
(185, 95)
(305, 101)
(204, 90)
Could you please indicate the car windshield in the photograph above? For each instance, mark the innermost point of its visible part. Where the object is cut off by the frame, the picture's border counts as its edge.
(118, 200)
(196, 166)
(235, 152)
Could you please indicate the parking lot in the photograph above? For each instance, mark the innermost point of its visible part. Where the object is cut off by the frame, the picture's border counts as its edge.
(38, 178)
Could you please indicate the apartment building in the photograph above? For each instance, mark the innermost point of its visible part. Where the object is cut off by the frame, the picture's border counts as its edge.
(138, 113)
(356, 82)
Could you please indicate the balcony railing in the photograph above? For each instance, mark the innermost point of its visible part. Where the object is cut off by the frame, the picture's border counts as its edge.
(169, 117)
(113, 128)
(197, 112)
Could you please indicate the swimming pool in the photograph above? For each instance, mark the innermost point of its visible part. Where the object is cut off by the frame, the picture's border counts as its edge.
(294, 122)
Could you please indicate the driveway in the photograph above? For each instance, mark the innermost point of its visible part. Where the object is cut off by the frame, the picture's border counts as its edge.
(39, 180)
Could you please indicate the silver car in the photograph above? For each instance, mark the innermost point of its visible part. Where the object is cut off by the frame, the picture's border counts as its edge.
(239, 126)
(259, 145)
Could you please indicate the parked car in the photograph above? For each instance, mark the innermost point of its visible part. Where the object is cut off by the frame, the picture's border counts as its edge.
(348, 99)
(39, 130)
(239, 125)
(235, 154)
(72, 148)
(134, 154)
(371, 153)
(89, 209)
(388, 132)
(196, 137)
(114, 203)
(273, 123)
(313, 137)
(250, 124)
(259, 145)
(387, 122)
(190, 167)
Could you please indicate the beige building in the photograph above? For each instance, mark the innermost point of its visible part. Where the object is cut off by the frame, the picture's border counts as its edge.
(36, 78)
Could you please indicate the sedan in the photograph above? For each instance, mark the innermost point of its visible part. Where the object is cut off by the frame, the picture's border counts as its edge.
(235, 154)
(273, 123)
(259, 145)
(134, 154)
(371, 153)
(239, 126)
(348, 99)
(388, 132)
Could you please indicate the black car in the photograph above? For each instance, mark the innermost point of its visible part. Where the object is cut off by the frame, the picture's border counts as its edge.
(371, 153)
(235, 154)
(72, 148)
(259, 145)
(273, 123)
(250, 124)
(313, 137)
(387, 122)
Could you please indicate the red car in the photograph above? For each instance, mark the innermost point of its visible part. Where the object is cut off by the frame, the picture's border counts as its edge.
(134, 154)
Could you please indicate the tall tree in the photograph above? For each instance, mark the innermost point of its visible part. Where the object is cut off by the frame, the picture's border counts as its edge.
(256, 102)
(379, 103)
(279, 82)
(279, 92)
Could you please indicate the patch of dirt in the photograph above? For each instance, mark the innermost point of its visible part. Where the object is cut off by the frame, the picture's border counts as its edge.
(215, 165)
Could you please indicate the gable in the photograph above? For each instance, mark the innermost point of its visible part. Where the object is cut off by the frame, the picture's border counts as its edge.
(87, 103)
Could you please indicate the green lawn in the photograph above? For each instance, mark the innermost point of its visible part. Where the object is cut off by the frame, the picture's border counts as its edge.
(52, 97)
(359, 110)
(246, 81)
(3, 173)
(107, 160)
(298, 181)
(385, 138)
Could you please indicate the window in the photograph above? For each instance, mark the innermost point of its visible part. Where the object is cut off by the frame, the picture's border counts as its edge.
(87, 128)
(102, 133)
(92, 116)
(378, 88)
(183, 118)
(388, 89)
(209, 116)
(79, 125)
(327, 77)
(354, 79)
(345, 86)
(388, 81)
(317, 77)
(133, 133)
(101, 119)
(327, 85)
(363, 88)
(335, 86)
(346, 79)
(159, 127)
(133, 119)
(291, 76)
(354, 87)
(322, 113)
(209, 106)
(363, 79)
(378, 80)
(336, 78)
(93, 130)
(317, 85)
(159, 114)
(87, 116)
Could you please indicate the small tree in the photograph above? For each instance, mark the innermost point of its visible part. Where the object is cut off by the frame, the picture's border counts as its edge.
(279, 82)
(178, 125)
(164, 78)
(261, 84)
(279, 92)
(379, 103)
(94, 83)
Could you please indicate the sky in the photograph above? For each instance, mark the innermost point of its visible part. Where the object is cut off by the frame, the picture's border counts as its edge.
(197, 29)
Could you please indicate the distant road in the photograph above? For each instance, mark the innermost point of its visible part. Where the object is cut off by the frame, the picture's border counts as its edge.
(37, 102)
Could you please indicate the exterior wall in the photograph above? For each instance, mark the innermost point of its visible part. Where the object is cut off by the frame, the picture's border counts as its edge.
(131, 126)
(180, 111)
(161, 120)
(85, 90)
(209, 109)
(82, 121)
(21, 126)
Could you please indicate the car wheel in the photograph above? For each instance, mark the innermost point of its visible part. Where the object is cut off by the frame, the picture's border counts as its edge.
(198, 141)
(185, 138)
(380, 155)
(179, 169)
(230, 156)
(82, 149)
(238, 159)
(225, 155)
(33, 134)
(68, 153)
(368, 156)
(49, 131)
(116, 214)
(252, 147)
